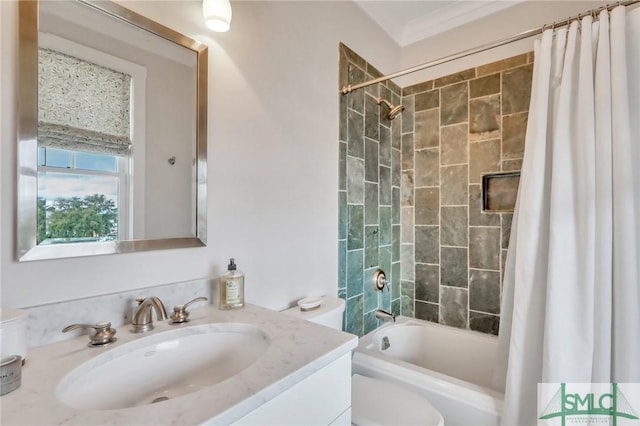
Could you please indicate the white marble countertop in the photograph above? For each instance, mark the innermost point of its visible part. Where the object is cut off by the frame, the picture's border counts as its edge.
(297, 350)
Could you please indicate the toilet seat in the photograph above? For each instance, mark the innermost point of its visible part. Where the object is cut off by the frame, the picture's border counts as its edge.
(378, 403)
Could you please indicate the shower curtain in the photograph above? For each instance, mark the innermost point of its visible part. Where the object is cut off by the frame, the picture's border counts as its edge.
(571, 296)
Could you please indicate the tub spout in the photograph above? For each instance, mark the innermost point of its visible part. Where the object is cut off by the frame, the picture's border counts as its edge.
(385, 316)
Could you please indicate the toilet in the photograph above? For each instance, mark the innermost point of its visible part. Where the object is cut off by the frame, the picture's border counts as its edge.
(400, 407)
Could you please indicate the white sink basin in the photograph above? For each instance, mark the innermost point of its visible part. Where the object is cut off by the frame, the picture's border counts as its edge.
(162, 366)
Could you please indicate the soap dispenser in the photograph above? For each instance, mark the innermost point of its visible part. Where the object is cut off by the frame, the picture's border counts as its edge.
(232, 287)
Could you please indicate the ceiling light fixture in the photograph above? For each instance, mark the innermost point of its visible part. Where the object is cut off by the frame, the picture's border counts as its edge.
(217, 14)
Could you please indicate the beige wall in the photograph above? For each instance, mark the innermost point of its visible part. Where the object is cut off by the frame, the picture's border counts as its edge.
(273, 169)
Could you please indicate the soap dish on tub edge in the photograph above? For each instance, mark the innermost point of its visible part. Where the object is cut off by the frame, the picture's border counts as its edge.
(309, 303)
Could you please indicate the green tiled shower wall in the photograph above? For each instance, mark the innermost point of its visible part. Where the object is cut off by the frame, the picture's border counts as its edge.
(455, 129)
(410, 192)
(369, 195)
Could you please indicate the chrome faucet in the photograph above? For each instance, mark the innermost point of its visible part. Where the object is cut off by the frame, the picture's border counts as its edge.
(142, 321)
(385, 316)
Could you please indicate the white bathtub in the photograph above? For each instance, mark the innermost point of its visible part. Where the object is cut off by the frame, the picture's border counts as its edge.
(451, 367)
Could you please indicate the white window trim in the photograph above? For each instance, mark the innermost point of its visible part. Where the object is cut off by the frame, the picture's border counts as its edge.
(136, 177)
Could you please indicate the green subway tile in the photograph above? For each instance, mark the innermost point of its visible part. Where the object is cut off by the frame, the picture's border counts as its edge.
(427, 311)
(370, 322)
(427, 244)
(427, 172)
(396, 133)
(355, 134)
(484, 118)
(484, 157)
(355, 268)
(395, 167)
(406, 189)
(354, 316)
(513, 135)
(395, 235)
(407, 298)
(385, 146)
(407, 262)
(417, 88)
(370, 203)
(342, 293)
(516, 89)
(385, 226)
(395, 307)
(454, 104)
(454, 228)
(485, 323)
(454, 306)
(484, 248)
(369, 291)
(395, 205)
(385, 299)
(385, 186)
(396, 269)
(483, 86)
(371, 118)
(342, 264)
(370, 160)
(453, 266)
(342, 166)
(484, 291)
(385, 260)
(454, 185)
(455, 78)
(343, 215)
(355, 180)
(427, 100)
(355, 237)
(371, 246)
(407, 151)
(427, 134)
(427, 284)
(407, 114)
(427, 206)
(453, 144)
(343, 133)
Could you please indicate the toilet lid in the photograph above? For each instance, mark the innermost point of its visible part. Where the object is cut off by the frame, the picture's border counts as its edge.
(378, 403)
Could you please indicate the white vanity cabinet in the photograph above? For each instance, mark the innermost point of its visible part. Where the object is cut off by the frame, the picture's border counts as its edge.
(323, 398)
(303, 378)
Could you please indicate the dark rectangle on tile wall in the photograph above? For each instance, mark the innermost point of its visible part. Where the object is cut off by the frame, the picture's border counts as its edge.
(499, 191)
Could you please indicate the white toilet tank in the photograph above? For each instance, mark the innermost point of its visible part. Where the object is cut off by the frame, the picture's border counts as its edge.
(329, 313)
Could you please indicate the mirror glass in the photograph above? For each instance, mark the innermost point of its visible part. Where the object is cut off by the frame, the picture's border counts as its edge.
(112, 132)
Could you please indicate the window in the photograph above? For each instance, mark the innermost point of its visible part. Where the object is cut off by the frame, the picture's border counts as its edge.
(82, 196)
(91, 109)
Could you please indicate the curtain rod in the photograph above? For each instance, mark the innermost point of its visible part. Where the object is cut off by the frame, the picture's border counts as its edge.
(348, 88)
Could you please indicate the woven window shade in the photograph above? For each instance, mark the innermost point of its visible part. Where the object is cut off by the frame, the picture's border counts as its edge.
(82, 106)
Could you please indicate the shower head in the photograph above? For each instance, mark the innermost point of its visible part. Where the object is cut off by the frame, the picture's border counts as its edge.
(394, 110)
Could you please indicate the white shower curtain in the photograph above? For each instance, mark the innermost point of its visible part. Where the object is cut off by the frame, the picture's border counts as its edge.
(571, 296)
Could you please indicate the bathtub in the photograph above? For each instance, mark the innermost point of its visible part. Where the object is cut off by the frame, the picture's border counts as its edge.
(451, 367)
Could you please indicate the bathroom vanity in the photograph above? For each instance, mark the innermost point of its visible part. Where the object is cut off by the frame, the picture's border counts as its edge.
(283, 371)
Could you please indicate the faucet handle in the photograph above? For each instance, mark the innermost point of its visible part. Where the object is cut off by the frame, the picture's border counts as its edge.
(180, 314)
(101, 335)
(380, 280)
